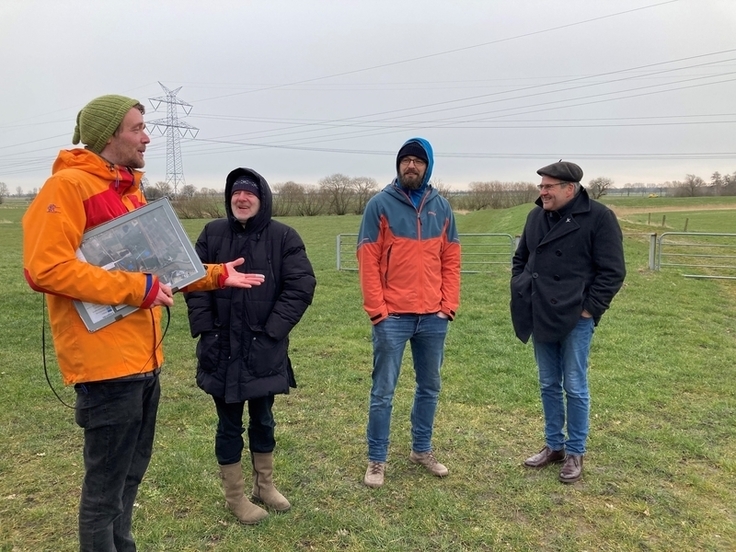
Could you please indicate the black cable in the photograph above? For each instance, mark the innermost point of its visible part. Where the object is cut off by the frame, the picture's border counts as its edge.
(43, 349)
(43, 345)
(166, 329)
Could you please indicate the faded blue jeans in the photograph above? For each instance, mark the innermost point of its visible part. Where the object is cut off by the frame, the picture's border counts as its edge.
(563, 365)
(426, 334)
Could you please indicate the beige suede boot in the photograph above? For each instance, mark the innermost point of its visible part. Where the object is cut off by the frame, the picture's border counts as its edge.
(234, 486)
(263, 488)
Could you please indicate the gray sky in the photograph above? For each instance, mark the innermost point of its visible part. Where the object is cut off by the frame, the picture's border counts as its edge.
(635, 90)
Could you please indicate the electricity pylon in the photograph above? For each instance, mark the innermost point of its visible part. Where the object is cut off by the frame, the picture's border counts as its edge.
(174, 129)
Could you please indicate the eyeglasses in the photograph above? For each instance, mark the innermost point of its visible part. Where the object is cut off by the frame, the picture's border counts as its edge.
(547, 187)
(406, 161)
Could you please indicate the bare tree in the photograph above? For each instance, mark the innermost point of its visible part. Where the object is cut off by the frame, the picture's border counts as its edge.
(188, 191)
(495, 195)
(729, 183)
(18, 191)
(442, 188)
(192, 207)
(164, 187)
(158, 190)
(338, 192)
(692, 186)
(717, 182)
(151, 193)
(286, 198)
(210, 192)
(520, 193)
(364, 188)
(3, 191)
(313, 202)
(485, 195)
(202, 204)
(640, 188)
(598, 187)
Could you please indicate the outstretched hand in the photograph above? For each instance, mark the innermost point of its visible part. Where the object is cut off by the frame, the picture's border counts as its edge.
(239, 279)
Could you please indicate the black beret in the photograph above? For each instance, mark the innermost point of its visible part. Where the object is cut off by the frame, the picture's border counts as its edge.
(562, 170)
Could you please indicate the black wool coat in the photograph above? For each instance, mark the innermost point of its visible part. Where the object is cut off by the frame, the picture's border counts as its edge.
(243, 348)
(576, 265)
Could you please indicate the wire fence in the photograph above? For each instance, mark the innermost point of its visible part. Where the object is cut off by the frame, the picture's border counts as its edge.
(481, 253)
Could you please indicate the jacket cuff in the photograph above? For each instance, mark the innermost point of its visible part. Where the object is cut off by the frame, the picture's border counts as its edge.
(378, 318)
(152, 289)
(222, 277)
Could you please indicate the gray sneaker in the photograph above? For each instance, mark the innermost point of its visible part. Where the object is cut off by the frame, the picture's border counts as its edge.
(374, 474)
(428, 460)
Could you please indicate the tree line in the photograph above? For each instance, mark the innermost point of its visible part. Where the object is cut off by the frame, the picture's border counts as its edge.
(339, 194)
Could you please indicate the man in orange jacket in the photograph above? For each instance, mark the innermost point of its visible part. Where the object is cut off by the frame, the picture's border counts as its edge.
(409, 265)
(115, 369)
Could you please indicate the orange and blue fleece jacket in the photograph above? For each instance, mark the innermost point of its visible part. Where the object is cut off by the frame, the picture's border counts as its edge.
(409, 252)
(85, 191)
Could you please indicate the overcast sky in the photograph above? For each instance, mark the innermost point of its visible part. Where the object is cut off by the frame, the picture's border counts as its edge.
(634, 90)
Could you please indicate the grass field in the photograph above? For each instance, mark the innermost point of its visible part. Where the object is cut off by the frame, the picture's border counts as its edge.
(659, 474)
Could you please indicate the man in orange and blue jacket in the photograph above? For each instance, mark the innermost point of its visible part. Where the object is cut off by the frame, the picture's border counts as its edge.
(409, 265)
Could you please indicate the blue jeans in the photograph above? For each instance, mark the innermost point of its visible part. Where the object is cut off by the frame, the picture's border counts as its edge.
(229, 437)
(564, 365)
(119, 421)
(426, 334)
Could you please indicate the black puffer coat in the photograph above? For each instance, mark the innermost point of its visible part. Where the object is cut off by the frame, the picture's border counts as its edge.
(244, 333)
(577, 264)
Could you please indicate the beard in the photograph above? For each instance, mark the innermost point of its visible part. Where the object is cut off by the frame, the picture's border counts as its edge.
(135, 163)
(411, 180)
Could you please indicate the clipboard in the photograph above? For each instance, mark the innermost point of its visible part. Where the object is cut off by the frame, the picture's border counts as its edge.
(150, 239)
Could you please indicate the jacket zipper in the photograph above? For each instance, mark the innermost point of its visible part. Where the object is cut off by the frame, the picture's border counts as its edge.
(388, 263)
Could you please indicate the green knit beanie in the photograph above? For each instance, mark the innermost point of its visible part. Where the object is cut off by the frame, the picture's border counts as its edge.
(99, 119)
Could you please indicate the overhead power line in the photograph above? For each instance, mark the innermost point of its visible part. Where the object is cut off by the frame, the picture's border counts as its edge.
(443, 53)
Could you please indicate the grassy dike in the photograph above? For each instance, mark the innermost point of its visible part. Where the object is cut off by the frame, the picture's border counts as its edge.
(659, 474)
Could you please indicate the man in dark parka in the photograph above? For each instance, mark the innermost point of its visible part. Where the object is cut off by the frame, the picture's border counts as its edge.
(243, 344)
(566, 270)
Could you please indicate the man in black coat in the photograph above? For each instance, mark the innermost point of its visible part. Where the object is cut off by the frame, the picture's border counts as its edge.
(243, 344)
(566, 270)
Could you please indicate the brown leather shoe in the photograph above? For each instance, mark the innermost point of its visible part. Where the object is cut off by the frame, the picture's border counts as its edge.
(545, 457)
(572, 469)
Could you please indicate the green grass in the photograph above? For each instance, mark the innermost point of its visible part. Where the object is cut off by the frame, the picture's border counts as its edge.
(659, 473)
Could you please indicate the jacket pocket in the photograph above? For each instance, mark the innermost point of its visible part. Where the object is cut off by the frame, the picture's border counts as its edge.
(266, 356)
(211, 351)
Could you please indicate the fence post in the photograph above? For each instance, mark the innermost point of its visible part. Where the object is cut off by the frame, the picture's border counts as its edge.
(652, 250)
(339, 243)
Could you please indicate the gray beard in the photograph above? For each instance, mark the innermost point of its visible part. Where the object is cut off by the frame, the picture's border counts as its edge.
(414, 184)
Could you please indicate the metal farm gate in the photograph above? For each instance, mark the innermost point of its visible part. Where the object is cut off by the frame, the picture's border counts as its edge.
(702, 254)
(480, 252)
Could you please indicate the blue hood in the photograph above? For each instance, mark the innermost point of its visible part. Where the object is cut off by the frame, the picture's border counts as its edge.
(430, 159)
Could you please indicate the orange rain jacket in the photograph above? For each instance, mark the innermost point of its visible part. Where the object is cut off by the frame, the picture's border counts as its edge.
(85, 191)
(409, 256)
